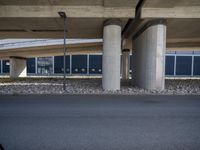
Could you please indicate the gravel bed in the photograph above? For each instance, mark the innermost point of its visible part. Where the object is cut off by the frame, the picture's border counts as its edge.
(92, 86)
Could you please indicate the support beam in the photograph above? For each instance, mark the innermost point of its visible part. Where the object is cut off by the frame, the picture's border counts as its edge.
(71, 11)
(52, 34)
(175, 12)
(52, 50)
(111, 55)
(18, 67)
(125, 64)
(149, 62)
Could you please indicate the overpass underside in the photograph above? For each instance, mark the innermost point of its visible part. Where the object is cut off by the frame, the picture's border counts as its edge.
(146, 26)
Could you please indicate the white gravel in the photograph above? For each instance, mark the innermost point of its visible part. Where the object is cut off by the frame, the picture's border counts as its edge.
(91, 86)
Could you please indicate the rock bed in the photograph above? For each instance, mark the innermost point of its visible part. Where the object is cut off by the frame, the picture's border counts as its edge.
(91, 86)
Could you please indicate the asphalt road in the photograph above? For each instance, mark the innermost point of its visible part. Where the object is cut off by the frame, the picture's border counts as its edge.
(100, 122)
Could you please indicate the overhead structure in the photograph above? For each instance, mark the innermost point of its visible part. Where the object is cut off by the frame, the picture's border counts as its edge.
(141, 23)
(40, 19)
(51, 50)
(151, 34)
(182, 17)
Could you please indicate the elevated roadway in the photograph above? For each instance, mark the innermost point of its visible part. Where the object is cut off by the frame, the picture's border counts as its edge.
(146, 26)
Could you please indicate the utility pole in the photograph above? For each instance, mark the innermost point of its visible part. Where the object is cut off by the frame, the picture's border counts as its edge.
(64, 17)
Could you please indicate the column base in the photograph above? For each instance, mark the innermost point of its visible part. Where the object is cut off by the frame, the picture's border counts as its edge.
(18, 67)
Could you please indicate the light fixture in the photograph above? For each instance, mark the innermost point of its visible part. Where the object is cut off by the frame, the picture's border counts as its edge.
(62, 14)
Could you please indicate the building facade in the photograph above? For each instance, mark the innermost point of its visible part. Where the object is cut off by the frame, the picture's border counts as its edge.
(178, 63)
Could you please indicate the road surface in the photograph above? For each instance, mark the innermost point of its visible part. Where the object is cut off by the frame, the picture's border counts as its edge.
(100, 122)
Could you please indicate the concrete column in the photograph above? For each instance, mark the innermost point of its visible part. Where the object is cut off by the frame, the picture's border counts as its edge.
(125, 64)
(111, 55)
(18, 67)
(149, 63)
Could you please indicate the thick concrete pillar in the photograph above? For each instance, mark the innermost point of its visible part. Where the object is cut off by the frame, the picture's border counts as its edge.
(149, 63)
(125, 64)
(111, 55)
(18, 67)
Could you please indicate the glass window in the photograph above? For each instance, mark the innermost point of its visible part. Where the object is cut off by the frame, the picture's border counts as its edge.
(169, 65)
(6, 66)
(31, 65)
(130, 62)
(183, 65)
(45, 65)
(196, 65)
(79, 64)
(95, 64)
(0, 67)
(132, 59)
(58, 64)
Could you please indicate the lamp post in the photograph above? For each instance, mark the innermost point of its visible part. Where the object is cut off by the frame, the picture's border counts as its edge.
(63, 16)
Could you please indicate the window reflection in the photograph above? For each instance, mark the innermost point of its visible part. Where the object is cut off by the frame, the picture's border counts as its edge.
(45, 65)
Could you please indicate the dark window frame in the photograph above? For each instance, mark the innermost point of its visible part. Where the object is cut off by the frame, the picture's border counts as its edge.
(169, 71)
(92, 64)
(83, 70)
(29, 67)
(181, 72)
(194, 67)
(5, 70)
(59, 60)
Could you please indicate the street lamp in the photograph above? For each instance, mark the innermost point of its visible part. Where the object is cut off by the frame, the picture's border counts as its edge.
(63, 16)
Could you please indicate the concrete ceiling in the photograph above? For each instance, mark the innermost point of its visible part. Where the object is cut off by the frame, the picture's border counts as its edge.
(170, 3)
(183, 16)
(183, 28)
(39, 18)
(106, 3)
(183, 20)
(52, 28)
